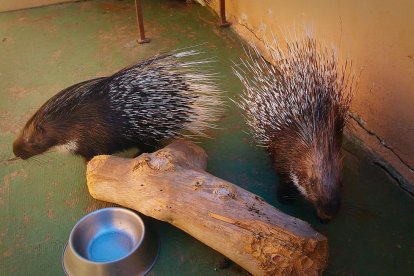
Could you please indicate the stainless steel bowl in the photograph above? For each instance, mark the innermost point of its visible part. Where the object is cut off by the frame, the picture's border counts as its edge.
(110, 241)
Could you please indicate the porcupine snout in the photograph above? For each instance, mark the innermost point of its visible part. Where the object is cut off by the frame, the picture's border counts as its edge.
(19, 149)
(319, 180)
(327, 210)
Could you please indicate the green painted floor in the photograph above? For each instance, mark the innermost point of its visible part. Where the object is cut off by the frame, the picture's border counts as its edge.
(46, 49)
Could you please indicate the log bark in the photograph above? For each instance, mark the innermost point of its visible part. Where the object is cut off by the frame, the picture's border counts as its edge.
(172, 185)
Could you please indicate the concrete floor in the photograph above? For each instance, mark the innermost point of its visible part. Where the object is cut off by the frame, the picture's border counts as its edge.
(46, 49)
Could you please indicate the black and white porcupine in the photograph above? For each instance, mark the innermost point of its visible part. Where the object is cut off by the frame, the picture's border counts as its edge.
(160, 98)
(297, 108)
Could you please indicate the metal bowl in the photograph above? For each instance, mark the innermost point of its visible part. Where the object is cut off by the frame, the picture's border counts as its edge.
(110, 241)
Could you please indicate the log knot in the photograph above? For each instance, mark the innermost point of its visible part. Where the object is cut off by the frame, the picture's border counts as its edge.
(224, 191)
(198, 183)
(163, 161)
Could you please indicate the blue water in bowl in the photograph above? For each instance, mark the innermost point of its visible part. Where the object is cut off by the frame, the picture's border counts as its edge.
(110, 246)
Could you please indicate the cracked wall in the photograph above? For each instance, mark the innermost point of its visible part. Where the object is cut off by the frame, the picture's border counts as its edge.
(377, 37)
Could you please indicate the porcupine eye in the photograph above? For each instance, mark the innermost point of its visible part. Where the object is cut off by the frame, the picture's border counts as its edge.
(38, 136)
(312, 187)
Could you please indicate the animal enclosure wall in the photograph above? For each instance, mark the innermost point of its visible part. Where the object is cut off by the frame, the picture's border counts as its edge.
(378, 37)
(11, 5)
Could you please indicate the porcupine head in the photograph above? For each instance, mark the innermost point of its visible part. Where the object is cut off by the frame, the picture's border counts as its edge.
(297, 107)
(60, 122)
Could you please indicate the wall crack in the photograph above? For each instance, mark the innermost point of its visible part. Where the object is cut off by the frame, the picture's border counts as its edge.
(395, 176)
(359, 121)
(251, 31)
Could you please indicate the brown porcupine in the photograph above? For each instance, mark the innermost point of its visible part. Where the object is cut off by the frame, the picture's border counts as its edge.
(297, 107)
(160, 98)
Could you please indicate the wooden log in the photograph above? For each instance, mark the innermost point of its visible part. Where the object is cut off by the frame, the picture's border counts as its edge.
(172, 185)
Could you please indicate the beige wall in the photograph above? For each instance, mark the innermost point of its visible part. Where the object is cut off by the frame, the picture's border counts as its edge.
(378, 36)
(10, 5)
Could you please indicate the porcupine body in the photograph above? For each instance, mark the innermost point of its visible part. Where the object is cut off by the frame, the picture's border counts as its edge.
(160, 98)
(297, 108)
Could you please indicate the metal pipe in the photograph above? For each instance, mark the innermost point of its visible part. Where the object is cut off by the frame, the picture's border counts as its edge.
(138, 8)
(223, 21)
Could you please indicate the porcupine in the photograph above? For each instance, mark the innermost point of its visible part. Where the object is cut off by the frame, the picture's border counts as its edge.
(162, 97)
(296, 106)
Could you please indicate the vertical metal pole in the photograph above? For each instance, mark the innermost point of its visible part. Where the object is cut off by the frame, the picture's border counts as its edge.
(223, 22)
(140, 22)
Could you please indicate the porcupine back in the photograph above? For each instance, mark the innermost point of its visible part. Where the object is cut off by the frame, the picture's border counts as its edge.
(300, 87)
(164, 96)
(160, 98)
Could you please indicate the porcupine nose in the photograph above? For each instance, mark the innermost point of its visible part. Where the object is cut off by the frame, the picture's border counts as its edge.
(326, 211)
(19, 151)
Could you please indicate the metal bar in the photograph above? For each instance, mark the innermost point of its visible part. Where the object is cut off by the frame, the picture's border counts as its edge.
(142, 39)
(223, 21)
